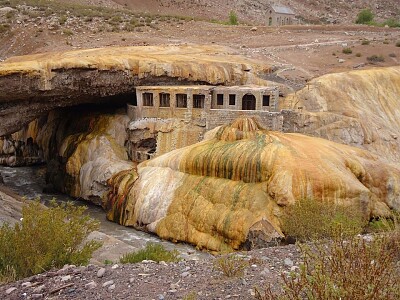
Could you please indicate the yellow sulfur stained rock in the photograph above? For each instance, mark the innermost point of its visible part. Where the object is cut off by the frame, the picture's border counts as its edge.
(215, 193)
(358, 108)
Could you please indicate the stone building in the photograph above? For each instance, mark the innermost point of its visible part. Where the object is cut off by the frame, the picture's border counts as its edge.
(165, 118)
(279, 15)
(208, 105)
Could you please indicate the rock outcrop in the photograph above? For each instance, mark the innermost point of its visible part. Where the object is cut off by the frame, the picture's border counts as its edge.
(358, 108)
(217, 193)
(33, 85)
(83, 148)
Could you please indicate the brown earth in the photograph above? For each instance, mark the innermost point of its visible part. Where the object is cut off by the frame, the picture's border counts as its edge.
(198, 279)
(298, 53)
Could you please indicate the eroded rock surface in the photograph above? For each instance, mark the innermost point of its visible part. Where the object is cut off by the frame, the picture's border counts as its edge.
(358, 108)
(33, 85)
(214, 193)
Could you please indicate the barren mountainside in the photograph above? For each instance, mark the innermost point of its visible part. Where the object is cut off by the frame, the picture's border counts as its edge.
(315, 11)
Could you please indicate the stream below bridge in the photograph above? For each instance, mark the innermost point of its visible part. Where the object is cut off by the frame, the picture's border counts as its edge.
(30, 181)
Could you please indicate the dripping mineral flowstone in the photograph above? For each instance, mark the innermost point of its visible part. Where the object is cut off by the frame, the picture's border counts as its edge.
(217, 193)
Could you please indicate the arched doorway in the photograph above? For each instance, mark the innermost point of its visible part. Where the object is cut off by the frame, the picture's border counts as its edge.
(249, 102)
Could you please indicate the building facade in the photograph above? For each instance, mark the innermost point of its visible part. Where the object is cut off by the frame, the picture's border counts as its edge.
(280, 15)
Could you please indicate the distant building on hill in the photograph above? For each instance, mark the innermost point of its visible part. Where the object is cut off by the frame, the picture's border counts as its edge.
(279, 15)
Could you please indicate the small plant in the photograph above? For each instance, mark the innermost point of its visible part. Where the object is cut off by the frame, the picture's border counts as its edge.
(310, 219)
(233, 20)
(365, 17)
(391, 23)
(230, 265)
(62, 20)
(4, 28)
(358, 54)
(398, 44)
(375, 58)
(46, 238)
(392, 55)
(152, 251)
(386, 42)
(365, 42)
(347, 51)
(343, 269)
(190, 296)
(108, 262)
(68, 32)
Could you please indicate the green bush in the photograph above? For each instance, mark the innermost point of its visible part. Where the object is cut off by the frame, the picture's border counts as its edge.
(365, 16)
(376, 58)
(347, 51)
(365, 42)
(343, 269)
(391, 23)
(233, 20)
(152, 251)
(310, 219)
(46, 238)
(230, 265)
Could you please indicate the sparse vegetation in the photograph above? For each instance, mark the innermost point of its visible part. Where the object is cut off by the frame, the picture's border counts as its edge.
(347, 51)
(230, 265)
(365, 42)
(392, 55)
(365, 17)
(152, 251)
(310, 219)
(46, 238)
(386, 42)
(190, 296)
(233, 20)
(68, 32)
(358, 54)
(376, 58)
(354, 268)
(4, 28)
(398, 44)
(391, 23)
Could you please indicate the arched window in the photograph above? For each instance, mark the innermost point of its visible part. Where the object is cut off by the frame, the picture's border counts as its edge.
(249, 102)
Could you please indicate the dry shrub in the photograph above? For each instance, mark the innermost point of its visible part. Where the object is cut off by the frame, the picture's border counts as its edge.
(309, 219)
(46, 238)
(230, 265)
(354, 268)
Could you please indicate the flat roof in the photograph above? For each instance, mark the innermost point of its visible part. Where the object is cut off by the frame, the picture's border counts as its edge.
(205, 87)
(282, 9)
(176, 87)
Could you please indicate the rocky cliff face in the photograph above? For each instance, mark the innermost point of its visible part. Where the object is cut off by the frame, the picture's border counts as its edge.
(33, 85)
(215, 193)
(359, 108)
